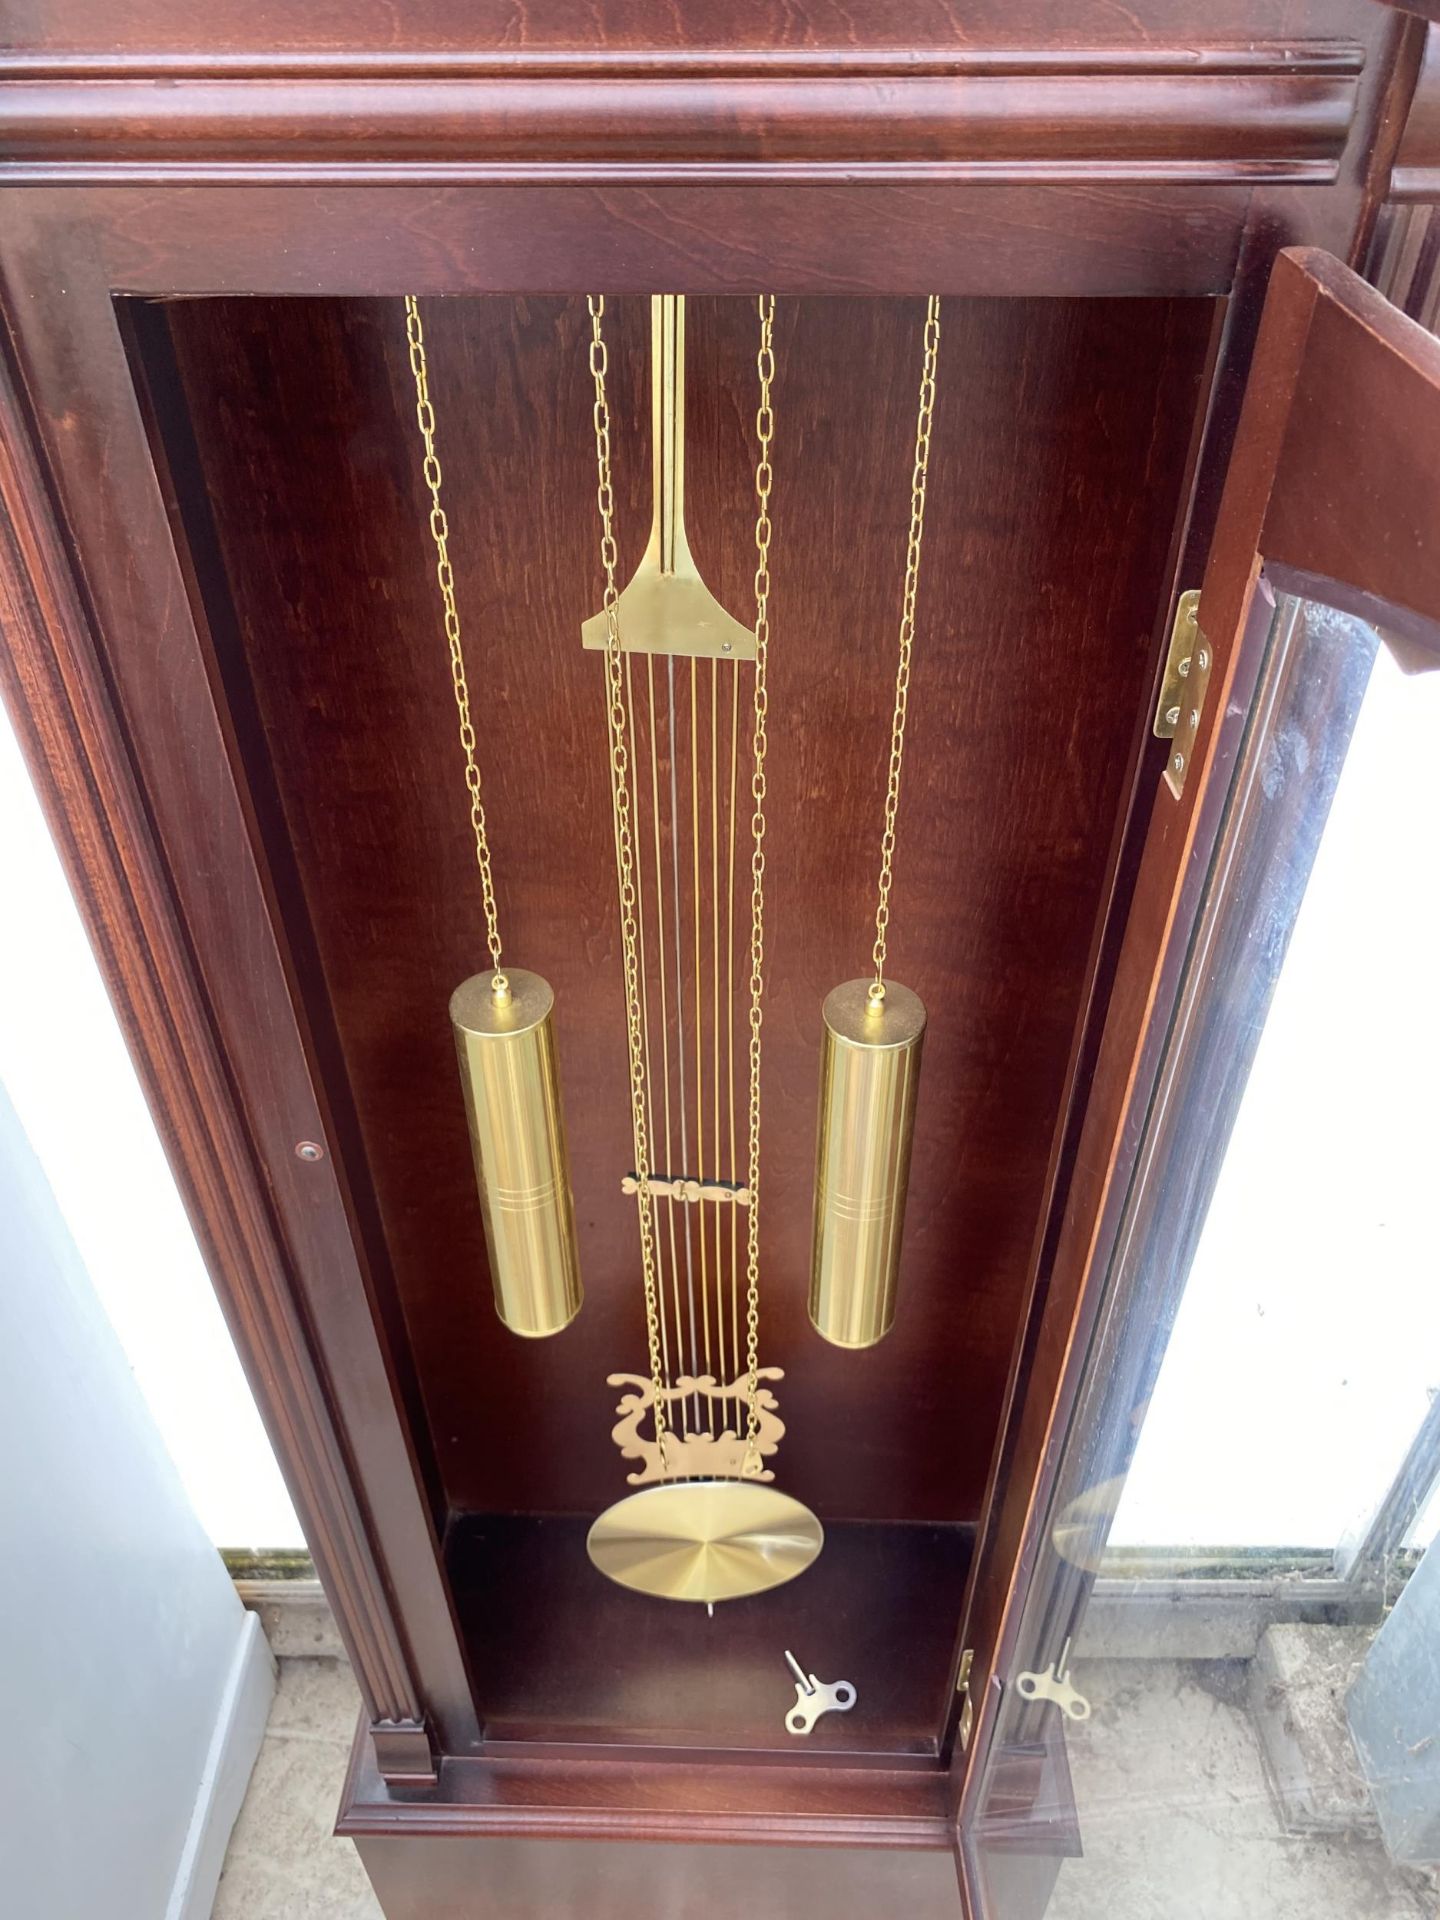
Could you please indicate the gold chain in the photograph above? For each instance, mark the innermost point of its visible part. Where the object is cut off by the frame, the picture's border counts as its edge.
(625, 854)
(907, 640)
(445, 575)
(764, 479)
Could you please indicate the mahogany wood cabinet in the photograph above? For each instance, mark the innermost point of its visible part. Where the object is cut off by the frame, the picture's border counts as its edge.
(225, 657)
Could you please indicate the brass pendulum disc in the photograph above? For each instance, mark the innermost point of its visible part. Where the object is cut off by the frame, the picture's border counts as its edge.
(705, 1540)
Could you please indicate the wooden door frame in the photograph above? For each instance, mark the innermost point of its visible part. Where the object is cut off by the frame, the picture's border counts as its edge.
(1333, 493)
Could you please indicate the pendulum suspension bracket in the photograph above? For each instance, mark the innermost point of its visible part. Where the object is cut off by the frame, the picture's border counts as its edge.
(667, 608)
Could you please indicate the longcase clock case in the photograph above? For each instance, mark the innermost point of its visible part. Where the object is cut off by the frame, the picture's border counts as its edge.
(227, 661)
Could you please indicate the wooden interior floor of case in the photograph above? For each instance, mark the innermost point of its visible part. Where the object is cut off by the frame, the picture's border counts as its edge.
(562, 1653)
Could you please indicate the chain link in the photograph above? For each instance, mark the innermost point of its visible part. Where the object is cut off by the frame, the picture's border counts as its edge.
(764, 479)
(445, 575)
(625, 854)
(907, 639)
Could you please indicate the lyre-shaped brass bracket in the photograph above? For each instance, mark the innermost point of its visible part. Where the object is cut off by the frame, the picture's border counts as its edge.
(667, 608)
(696, 1454)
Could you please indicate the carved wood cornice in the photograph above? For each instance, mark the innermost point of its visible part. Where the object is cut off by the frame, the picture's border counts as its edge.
(1243, 113)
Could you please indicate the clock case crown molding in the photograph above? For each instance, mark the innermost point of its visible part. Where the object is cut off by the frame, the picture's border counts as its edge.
(1239, 113)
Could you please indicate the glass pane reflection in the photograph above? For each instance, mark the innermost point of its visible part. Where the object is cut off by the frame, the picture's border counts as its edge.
(1248, 1479)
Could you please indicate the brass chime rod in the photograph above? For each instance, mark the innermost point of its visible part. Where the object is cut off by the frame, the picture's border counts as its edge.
(907, 640)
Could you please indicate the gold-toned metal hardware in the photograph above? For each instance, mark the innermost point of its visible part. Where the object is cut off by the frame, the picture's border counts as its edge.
(506, 1048)
(445, 580)
(503, 1033)
(617, 724)
(814, 1697)
(1054, 1684)
(664, 1187)
(1183, 689)
(667, 608)
(967, 1701)
(705, 1540)
(873, 1029)
(909, 597)
(870, 1069)
(694, 1453)
(628, 894)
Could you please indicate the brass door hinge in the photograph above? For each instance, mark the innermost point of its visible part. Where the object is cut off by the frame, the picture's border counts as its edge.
(967, 1705)
(1182, 691)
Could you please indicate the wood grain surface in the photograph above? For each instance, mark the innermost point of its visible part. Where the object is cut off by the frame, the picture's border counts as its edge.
(1061, 438)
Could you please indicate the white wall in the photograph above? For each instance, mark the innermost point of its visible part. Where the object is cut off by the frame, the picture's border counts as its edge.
(135, 1685)
(72, 1083)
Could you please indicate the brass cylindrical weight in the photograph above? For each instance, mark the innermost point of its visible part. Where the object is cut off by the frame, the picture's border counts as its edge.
(869, 1071)
(506, 1046)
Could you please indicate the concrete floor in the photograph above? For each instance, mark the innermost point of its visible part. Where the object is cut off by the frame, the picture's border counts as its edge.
(284, 1862)
(1177, 1820)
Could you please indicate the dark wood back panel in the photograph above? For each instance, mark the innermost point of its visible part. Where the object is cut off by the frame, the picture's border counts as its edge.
(1061, 438)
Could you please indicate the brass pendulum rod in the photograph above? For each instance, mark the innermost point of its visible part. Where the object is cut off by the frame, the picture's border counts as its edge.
(730, 1013)
(645, 1020)
(873, 1031)
(504, 1034)
(617, 726)
(696, 894)
(682, 1102)
(660, 940)
(715, 1003)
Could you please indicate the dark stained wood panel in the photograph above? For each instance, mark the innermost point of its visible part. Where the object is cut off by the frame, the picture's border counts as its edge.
(345, 32)
(1061, 442)
(561, 1653)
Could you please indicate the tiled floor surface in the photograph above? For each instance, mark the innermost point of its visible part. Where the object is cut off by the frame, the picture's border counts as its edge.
(1176, 1817)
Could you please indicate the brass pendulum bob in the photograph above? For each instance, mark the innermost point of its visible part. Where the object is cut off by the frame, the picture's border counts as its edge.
(705, 1540)
(869, 1072)
(505, 1041)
